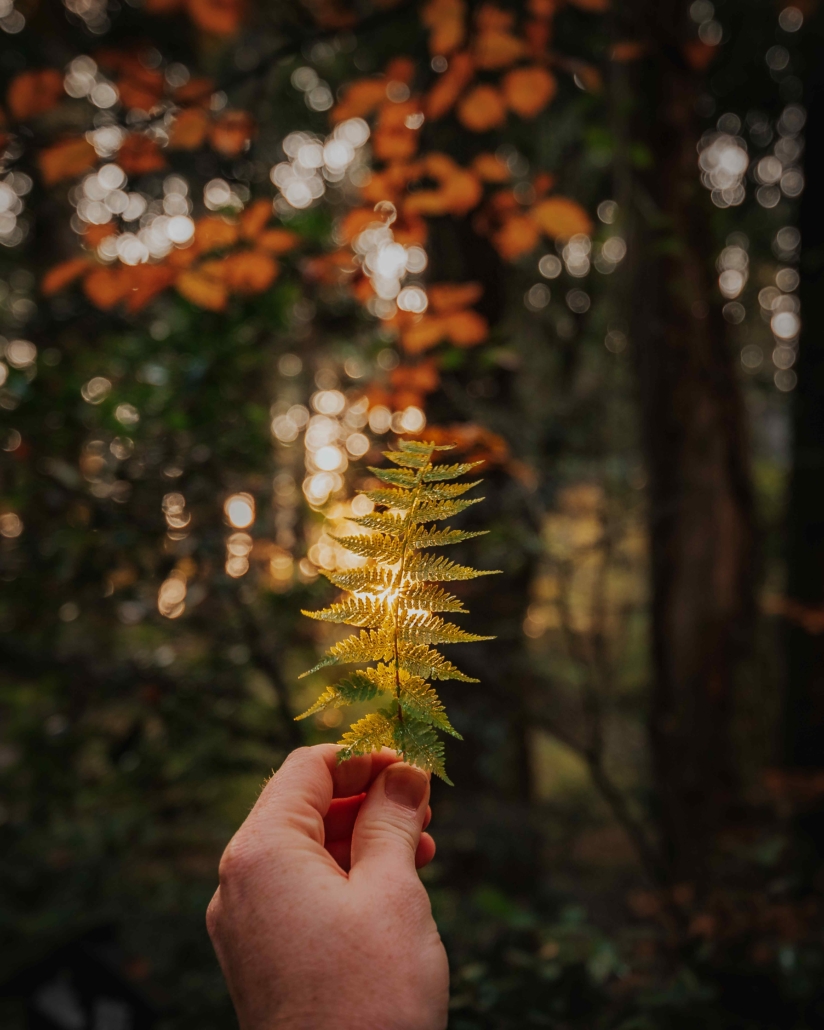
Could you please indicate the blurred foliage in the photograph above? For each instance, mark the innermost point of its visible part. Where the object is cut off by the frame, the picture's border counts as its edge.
(164, 489)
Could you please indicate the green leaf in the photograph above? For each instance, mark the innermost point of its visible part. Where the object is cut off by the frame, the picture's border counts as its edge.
(355, 688)
(445, 491)
(408, 459)
(419, 745)
(370, 645)
(434, 511)
(392, 498)
(393, 525)
(440, 472)
(420, 701)
(423, 661)
(423, 446)
(370, 579)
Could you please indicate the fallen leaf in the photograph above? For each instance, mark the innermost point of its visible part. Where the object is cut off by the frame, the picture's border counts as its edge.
(527, 91)
(446, 21)
(106, 286)
(34, 93)
(444, 298)
(214, 233)
(517, 236)
(231, 134)
(253, 220)
(189, 129)
(446, 90)
(560, 217)
(140, 155)
(62, 275)
(219, 17)
(491, 168)
(203, 290)
(482, 109)
(66, 159)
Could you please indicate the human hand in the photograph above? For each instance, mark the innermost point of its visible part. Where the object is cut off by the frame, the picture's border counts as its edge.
(320, 919)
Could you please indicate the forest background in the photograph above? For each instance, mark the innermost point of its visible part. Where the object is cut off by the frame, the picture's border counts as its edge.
(244, 246)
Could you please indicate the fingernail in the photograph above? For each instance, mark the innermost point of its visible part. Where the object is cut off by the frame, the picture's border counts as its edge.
(405, 786)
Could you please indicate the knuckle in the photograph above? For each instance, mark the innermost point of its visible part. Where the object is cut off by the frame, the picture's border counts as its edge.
(235, 863)
(213, 917)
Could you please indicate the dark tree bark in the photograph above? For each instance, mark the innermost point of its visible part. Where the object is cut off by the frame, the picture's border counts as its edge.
(804, 695)
(694, 441)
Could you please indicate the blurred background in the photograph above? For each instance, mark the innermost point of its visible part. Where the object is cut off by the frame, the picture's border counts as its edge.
(245, 245)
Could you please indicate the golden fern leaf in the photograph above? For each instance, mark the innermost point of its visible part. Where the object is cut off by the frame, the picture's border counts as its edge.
(379, 546)
(394, 598)
(437, 569)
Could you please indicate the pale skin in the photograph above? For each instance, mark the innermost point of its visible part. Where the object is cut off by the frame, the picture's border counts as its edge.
(320, 919)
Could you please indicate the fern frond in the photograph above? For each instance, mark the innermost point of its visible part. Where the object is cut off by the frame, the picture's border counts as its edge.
(372, 579)
(437, 569)
(423, 537)
(392, 498)
(393, 602)
(429, 598)
(420, 660)
(419, 745)
(424, 628)
(355, 611)
(382, 521)
(379, 546)
(441, 472)
(435, 511)
(356, 687)
(371, 733)
(420, 701)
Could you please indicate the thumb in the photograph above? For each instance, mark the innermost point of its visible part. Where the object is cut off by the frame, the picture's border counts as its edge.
(390, 820)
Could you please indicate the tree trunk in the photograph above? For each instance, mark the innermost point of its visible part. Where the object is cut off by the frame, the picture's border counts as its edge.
(694, 442)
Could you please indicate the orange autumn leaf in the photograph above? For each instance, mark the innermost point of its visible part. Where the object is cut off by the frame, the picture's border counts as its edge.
(459, 189)
(60, 276)
(445, 298)
(494, 49)
(527, 91)
(543, 183)
(446, 21)
(198, 90)
(107, 286)
(253, 220)
(356, 221)
(482, 109)
(699, 55)
(538, 35)
(421, 378)
(34, 93)
(205, 291)
(360, 99)
(518, 235)
(411, 231)
(490, 18)
(145, 283)
(491, 168)
(561, 217)
(423, 335)
(390, 183)
(93, 235)
(472, 440)
(249, 271)
(65, 160)
(466, 328)
(592, 5)
(543, 9)
(189, 129)
(441, 98)
(400, 69)
(140, 155)
(278, 241)
(214, 233)
(219, 17)
(627, 51)
(141, 87)
(162, 7)
(232, 132)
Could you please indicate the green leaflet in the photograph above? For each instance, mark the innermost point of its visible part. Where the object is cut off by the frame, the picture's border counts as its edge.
(394, 597)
